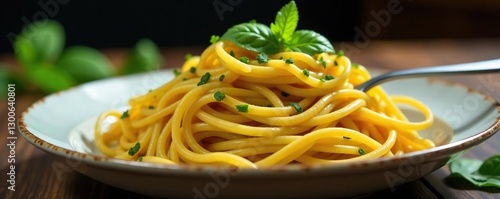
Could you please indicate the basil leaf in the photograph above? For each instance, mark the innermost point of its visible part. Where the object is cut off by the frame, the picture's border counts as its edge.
(145, 56)
(41, 41)
(254, 37)
(286, 22)
(85, 64)
(309, 42)
(491, 166)
(49, 79)
(469, 169)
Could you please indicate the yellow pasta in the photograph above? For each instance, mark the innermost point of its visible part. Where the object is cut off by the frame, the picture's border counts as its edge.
(221, 111)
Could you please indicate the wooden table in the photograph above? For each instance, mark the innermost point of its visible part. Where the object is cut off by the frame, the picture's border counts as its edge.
(35, 170)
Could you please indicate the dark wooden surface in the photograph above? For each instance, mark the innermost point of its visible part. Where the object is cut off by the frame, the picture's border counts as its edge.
(37, 176)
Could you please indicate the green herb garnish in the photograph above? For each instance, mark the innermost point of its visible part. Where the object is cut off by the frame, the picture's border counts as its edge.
(329, 77)
(289, 61)
(221, 78)
(326, 78)
(243, 108)
(244, 59)
(361, 151)
(323, 63)
(477, 172)
(354, 65)
(204, 79)
(219, 96)
(231, 53)
(214, 39)
(296, 106)
(177, 72)
(139, 159)
(133, 150)
(262, 58)
(345, 137)
(192, 69)
(340, 53)
(188, 56)
(281, 36)
(124, 115)
(305, 72)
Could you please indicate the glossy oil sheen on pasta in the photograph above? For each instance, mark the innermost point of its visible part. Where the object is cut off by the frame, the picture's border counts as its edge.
(260, 115)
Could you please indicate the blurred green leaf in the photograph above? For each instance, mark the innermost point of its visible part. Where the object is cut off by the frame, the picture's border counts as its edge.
(85, 64)
(5, 75)
(145, 56)
(25, 52)
(477, 172)
(50, 80)
(41, 41)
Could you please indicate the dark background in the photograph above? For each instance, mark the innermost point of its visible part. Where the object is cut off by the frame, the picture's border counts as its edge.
(117, 24)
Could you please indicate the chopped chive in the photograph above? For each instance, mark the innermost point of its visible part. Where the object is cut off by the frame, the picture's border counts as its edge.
(340, 53)
(221, 78)
(323, 63)
(289, 61)
(139, 159)
(281, 58)
(297, 107)
(355, 65)
(133, 150)
(204, 79)
(124, 115)
(231, 53)
(306, 72)
(219, 96)
(284, 94)
(242, 108)
(177, 72)
(188, 56)
(192, 69)
(345, 137)
(361, 151)
(326, 78)
(244, 59)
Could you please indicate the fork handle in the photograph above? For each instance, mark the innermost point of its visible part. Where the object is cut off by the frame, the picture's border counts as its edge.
(489, 66)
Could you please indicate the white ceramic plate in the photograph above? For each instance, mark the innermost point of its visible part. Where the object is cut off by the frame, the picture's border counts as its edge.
(60, 124)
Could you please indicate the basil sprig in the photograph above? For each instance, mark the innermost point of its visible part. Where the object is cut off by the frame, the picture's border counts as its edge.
(281, 36)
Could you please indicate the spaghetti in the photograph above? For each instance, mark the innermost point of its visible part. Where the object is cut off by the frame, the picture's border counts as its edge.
(227, 107)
